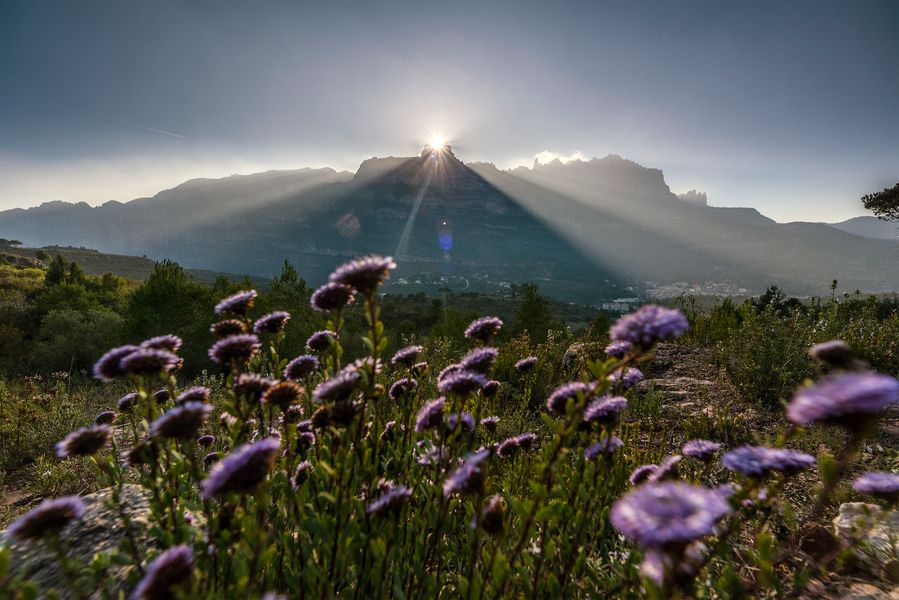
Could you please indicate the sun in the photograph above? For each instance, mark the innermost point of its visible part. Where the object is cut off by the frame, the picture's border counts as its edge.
(437, 142)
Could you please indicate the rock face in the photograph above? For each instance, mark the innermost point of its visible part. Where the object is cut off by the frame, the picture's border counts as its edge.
(99, 531)
(874, 534)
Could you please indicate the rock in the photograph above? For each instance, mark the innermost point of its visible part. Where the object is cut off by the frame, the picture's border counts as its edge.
(100, 530)
(872, 532)
(866, 591)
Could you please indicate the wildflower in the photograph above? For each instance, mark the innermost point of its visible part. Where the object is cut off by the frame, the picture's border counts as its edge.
(391, 501)
(301, 367)
(169, 571)
(493, 515)
(301, 474)
(618, 349)
(510, 446)
(657, 515)
(641, 474)
(197, 393)
(338, 387)
(430, 415)
(172, 343)
(209, 459)
(143, 453)
(419, 368)
(321, 340)
(273, 322)
(293, 413)
(321, 417)
(836, 354)
(364, 274)
(147, 362)
(667, 469)
(238, 304)
(491, 388)
(607, 445)
(649, 324)
(107, 417)
(461, 383)
(305, 439)
(181, 422)
(107, 369)
(161, 395)
(242, 470)
(228, 327)
(406, 356)
(479, 360)
(252, 385)
(463, 421)
(701, 449)
(342, 412)
(490, 423)
(467, 477)
(48, 518)
(84, 442)
(332, 296)
(848, 398)
(282, 394)
(127, 401)
(526, 364)
(558, 399)
(206, 440)
(605, 409)
(429, 454)
(626, 378)
(402, 386)
(448, 370)
(880, 484)
(483, 329)
(235, 349)
(756, 461)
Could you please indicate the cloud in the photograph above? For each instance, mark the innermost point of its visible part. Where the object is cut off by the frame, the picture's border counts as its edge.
(547, 157)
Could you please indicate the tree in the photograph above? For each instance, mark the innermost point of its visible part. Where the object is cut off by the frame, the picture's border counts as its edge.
(533, 315)
(884, 204)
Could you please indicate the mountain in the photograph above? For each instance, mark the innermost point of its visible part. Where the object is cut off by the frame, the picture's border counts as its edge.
(583, 230)
(870, 227)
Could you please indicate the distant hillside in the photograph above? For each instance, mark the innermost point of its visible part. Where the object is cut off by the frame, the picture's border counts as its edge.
(585, 231)
(870, 227)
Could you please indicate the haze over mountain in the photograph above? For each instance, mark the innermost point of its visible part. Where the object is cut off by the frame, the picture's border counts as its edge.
(584, 230)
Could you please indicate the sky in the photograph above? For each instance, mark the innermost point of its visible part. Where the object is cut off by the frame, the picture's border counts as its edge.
(791, 106)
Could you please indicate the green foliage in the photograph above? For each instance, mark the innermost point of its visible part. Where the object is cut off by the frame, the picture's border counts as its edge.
(884, 204)
(533, 315)
(70, 340)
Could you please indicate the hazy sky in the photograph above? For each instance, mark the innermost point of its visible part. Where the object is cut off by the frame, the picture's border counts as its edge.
(788, 106)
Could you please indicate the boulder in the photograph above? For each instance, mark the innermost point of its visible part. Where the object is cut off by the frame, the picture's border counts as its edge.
(873, 533)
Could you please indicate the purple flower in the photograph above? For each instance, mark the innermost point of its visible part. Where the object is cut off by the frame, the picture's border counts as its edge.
(282, 394)
(483, 329)
(606, 446)
(835, 353)
(197, 393)
(419, 368)
(107, 417)
(143, 453)
(147, 361)
(273, 322)
(490, 389)
(880, 484)
(364, 274)
(402, 386)
(430, 415)
(181, 422)
(235, 349)
(161, 396)
(391, 501)
(490, 423)
(301, 474)
(252, 386)
(464, 421)
(321, 340)
(628, 379)
(84, 442)
(448, 370)
(338, 388)
(169, 571)
(301, 367)
(242, 470)
(641, 474)
(461, 383)
(701, 449)
(756, 461)
(657, 515)
(206, 440)
(479, 360)
(493, 515)
(332, 296)
(510, 446)
(107, 369)
(648, 324)
(210, 458)
(844, 398)
(48, 518)
(406, 356)
(238, 304)
(172, 343)
(618, 349)
(558, 399)
(468, 477)
(667, 469)
(127, 401)
(526, 364)
(605, 409)
(228, 327)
